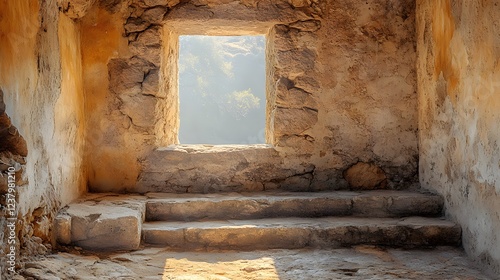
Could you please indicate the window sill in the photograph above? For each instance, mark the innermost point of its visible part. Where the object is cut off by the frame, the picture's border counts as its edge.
(205, 148)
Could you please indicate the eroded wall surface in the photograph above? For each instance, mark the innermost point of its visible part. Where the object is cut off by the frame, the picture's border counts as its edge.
(40, 76)
(459, 117)
(342, 83)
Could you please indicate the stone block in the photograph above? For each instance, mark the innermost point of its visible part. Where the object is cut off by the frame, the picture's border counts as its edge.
(296, 98)
(147, 45)
(307, 25)
(238, 206)
(294, 121)
(149, 53)
(151, 84)
(103, 227)
(167, 3)
(298, 60)
(154, 15)
(140, 108)
(62, 226)
(124, 77)
(300, 3)
(307, 83)
(136, 25)
(301, 144)
(365, 176)
(292, 233)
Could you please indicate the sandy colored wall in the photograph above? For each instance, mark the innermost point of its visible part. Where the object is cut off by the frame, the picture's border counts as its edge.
(343, 83)
(109, 130)
(459, 94)
(40, 78)
(367, 98)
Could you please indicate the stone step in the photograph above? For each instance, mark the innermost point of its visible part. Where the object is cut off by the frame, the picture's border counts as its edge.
(380, 203)
(292, 233)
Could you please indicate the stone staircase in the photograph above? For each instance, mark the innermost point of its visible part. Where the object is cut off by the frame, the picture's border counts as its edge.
(260, 220)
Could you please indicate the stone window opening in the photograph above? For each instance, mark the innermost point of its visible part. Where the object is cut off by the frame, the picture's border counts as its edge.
(172, 124)
(292, 89)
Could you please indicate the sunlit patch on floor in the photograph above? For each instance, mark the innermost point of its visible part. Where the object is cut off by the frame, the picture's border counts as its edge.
(219, 268)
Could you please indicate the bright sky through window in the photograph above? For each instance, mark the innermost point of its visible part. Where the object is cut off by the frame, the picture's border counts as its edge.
(222, 89)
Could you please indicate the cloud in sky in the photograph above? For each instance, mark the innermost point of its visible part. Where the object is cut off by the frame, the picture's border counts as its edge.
(222, 89)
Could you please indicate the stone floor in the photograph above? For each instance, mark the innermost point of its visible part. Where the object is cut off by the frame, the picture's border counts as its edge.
(361, 262)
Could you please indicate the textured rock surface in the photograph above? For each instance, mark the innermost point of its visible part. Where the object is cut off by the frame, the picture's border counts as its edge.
(365, 176)
(459, 88)
(204, 169)
(75, 8)
(186, 207)
(10, 139)
(292, 233)
(102, 222)
(358, 263)
(96, 227)
(333, 100)
(40, 77)
(341, 90)
(110, 222)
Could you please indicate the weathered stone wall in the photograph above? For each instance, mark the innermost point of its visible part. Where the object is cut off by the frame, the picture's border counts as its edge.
(368, 102)
(40, 76)
(341, 90)
(113, 141)
(13, 152)
(459, 93)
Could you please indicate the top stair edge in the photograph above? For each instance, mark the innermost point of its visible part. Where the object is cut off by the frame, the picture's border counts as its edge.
(183, 197)
(378, 203)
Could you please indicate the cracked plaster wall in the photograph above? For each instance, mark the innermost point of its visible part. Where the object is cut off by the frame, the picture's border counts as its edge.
(341, 89)
(459, 88)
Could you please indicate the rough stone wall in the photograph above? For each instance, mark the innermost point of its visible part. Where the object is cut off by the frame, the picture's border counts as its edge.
(114, 139)
(459, 93)
(341, 90)
(40, 74)
(13, 152)
(368, 101)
